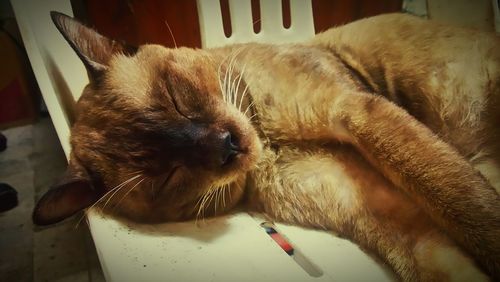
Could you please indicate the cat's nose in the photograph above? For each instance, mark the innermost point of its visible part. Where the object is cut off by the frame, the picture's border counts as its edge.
(229, 148)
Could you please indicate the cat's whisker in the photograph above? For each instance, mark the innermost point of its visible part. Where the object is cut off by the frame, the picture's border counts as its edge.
(242, 98)
(248, 108)
(233, 91)
(224, 92)
(220, 82)
(223, 83)
(221, 197)
(254, 115)
(202, 195)
(234, 88)
(171, 33)
(201, 210)
(128, 192)
(238, 84)
(228, 90)
(231, 66)
(80, 220)
(211, 197)
(115, 191)
(117, 188)
(226, 85)
(209, 200)
(204, 199)
(198, 203)
(216, 200)
(226, 187)
(84, 215)
(244, 90)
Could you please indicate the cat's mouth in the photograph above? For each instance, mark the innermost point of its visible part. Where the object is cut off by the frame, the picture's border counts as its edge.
(234, 160)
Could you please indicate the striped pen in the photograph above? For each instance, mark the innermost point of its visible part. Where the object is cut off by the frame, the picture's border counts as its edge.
(286, 246)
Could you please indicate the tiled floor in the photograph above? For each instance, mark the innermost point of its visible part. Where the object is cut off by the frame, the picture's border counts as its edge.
(31, 163)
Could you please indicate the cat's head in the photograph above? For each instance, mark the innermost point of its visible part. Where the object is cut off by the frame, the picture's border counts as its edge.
(154, 139)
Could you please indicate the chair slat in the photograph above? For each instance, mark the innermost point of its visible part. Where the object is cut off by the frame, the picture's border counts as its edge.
(272, 29)
(271, 17)
(211, 28)
(241, 20)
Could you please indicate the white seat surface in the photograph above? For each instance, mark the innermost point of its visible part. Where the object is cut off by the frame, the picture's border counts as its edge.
(229, 248)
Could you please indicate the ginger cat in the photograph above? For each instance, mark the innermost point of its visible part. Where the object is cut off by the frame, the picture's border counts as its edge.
(384, 130)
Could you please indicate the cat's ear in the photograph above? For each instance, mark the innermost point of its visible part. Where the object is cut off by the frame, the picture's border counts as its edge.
(94, 50)
(74, 192)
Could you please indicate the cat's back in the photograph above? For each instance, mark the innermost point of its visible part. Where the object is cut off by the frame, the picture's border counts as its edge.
(406, 37)
(447, 77)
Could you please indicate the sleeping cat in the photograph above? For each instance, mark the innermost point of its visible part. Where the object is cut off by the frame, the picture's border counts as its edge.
(384, 131)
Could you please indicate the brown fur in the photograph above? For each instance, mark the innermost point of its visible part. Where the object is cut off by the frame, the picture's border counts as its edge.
(384, 131)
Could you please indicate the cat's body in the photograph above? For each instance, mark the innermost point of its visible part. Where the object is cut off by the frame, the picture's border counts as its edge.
(302, 134)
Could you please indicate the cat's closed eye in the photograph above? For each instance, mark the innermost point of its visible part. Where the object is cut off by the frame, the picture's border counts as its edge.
(176, 104)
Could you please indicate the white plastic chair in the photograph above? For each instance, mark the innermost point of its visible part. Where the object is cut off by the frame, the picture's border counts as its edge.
(496, 14)
(272, 30)
(231, 248)
(58, 71)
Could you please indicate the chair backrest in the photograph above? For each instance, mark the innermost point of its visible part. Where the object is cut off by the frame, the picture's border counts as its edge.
(240, 11)
(496, 14)
(58, 71)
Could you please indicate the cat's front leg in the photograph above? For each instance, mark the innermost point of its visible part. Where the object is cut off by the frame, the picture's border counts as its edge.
(457, 197)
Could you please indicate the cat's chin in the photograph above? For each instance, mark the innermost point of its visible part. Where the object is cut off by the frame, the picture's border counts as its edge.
(241, 161)
(183, 203)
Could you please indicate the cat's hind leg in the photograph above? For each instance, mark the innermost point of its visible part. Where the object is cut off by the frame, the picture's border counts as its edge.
(336, 189)
(435, 176)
